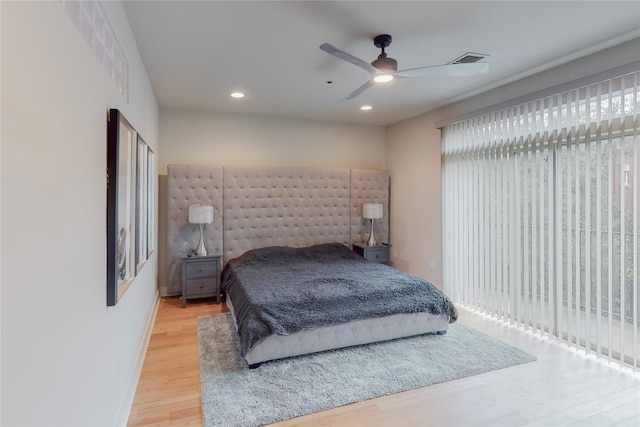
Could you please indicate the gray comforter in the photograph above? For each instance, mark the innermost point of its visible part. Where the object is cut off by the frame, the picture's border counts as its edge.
(282, 290)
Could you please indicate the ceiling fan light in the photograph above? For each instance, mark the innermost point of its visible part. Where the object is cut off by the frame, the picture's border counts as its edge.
(383, 78)
(366, 108)
(237, 95)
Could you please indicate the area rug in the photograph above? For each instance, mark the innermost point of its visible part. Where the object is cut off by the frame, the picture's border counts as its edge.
(234, 395)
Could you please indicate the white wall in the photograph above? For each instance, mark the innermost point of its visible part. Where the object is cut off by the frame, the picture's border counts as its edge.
(190, 137)
(67, 359)
(413, 160)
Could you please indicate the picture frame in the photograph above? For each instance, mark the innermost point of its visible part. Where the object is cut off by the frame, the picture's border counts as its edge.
(151, 206)
(121, 205)
(142, 203)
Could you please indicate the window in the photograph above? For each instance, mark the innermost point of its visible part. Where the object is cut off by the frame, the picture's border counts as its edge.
(541, 218)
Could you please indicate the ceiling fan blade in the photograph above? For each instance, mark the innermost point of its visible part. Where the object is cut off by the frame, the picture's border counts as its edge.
(449, 70)
(332, 50)
(358, 91)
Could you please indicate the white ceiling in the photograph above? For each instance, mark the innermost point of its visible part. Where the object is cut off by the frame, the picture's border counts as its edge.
(197, 53)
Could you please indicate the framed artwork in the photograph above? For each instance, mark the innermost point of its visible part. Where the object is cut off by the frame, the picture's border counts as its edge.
(142, 203)
(122, 146)
(151, 206)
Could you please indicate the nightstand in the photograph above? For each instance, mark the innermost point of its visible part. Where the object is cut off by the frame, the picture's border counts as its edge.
(379, 253)
(200, 277)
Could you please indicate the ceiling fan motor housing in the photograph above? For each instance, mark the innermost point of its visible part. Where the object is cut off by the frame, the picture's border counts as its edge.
(385, 64)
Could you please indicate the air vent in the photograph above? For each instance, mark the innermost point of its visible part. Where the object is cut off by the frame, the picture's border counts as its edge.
(469, 58)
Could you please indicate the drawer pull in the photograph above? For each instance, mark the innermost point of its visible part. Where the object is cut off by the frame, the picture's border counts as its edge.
(201, 269)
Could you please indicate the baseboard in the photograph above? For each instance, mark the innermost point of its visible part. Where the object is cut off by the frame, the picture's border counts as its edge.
(130, 392)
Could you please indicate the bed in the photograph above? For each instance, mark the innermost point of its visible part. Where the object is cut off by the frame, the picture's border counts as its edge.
(291, 301)
(286, 208)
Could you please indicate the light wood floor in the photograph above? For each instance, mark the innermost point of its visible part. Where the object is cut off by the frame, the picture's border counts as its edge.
(562, 387)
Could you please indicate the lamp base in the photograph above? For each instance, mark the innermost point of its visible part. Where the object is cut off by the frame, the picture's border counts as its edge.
(372, 239)
(201, 250)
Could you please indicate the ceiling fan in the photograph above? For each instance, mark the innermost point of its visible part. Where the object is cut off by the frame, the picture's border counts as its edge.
(385, 68)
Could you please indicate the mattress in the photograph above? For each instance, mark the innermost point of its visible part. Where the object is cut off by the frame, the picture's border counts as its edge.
(332, 337)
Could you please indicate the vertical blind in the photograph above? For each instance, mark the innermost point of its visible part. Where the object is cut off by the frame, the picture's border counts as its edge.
(541, 220)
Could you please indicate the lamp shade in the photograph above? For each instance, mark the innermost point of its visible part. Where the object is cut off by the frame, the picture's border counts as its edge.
(200, 214)
(372, 210)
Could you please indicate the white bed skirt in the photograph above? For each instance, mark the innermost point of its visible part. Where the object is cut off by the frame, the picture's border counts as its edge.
(345, 335)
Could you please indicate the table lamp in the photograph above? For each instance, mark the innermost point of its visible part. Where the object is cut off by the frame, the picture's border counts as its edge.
(372, 211)
(201, 215)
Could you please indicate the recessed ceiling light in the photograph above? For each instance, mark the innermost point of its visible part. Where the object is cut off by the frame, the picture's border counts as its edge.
(237, 95)
(383, 78)
(366, 108)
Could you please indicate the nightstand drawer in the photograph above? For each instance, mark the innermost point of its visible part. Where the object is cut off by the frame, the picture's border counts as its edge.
(378, 255)
(197, 269)
(201, 287)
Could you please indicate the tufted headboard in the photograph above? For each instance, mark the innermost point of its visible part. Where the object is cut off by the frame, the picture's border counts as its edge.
(257, 207)
(284, 207)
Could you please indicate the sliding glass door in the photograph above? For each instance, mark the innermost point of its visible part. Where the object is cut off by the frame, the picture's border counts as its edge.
(541, 218)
